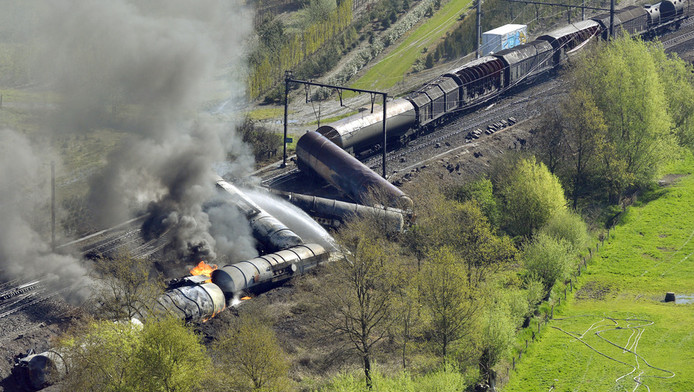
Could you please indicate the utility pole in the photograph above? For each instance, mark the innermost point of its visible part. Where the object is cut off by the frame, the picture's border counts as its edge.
(287, 78)
(611, 19)
(583, 10)
(385, 98)
(479, 28)
(53, 206)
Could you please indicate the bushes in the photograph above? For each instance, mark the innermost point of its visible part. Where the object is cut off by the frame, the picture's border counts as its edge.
(547, 259)
(569, 227)
(265, 143)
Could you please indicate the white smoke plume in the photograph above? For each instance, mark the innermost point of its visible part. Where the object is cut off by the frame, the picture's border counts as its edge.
(25, 215)
(147, 68)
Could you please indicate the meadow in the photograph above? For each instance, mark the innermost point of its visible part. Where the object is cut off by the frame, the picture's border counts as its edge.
(616, 333)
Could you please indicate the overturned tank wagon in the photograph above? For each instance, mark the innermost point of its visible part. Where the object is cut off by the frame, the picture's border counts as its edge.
(334, 213)
(192, 298)
(267, 230)
(318, 154)
(36, 371)
(261, 272)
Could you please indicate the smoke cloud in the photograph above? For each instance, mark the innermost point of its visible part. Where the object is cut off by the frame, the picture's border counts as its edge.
(24, 211)
(155, 70)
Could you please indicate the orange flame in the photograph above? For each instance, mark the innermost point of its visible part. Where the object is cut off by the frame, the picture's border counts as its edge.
(203, 269)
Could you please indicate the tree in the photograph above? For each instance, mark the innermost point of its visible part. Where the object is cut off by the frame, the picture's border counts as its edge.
(621, 79)
(569, 227)
(481, 191)
(496, 336)
(429, 61)
(677, 78)
(463, 228)
(250, 353)
(126, 290)
(530, 195)
(170, 357)
(584, 135)
(548, 259)
(447, 297)
(359, 292)
(264, 142)
(162, 355)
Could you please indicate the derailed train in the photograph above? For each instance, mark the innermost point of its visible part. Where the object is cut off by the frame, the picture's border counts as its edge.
(486, 78)
(191, 298)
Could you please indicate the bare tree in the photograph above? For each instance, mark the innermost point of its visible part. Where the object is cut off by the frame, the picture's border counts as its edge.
(360, 290)
(125, 289)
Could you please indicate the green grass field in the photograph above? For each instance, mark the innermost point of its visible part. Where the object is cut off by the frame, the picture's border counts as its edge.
(621, 296)
(392, 69)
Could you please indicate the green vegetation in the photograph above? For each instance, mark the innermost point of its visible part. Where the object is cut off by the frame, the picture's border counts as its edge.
(265, 143)
(280, 50)
(611, 135)
(530, 196)
(250, 357)
(392, 69)
(159, 356)
(646, 256)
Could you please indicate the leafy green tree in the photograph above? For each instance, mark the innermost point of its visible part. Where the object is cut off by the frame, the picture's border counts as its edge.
(170, 357)
(548, 259)
(677, 78)
(481, 191)
(463, 228)
(530, 195)
(250, 353)
(448, 299)
(496, 336)
(622, 81)
(570, 227)
(429, 61)
(101, 357)
(162, 355)
(584, 135)
(264, 142)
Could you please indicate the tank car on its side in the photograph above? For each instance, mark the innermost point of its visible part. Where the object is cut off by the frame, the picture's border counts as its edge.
(315, 152)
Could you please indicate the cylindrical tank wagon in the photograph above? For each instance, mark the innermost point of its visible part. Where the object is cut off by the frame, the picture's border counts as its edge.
(315, 152)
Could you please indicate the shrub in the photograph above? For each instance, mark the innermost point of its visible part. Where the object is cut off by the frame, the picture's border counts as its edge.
(567, 226)
(548, 259)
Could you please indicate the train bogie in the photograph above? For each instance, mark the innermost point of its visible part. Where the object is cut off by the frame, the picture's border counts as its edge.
(362, 130)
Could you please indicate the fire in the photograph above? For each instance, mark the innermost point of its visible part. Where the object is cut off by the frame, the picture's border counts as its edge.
(203, 269)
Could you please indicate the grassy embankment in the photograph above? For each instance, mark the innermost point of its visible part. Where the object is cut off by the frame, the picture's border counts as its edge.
(648, 254)
(393, 68)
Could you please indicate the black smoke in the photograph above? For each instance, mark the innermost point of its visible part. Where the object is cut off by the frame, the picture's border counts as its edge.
(152, 70)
